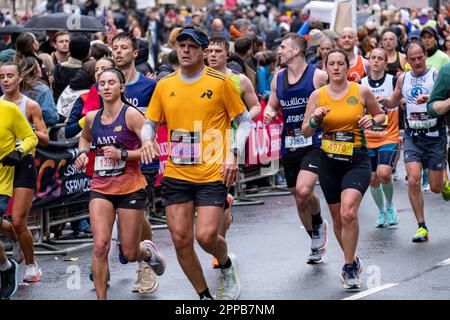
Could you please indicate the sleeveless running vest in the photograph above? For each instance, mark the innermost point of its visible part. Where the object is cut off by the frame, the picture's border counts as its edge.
(418, 122)
(115, 177)
(357, 71)
(387, 132)
(393, 67)
(293, 100)
(343, 117)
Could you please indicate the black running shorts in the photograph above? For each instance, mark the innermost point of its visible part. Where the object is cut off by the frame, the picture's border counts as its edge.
(336, 176)
(174, 191)
(134, 200)
(307, 160)
(25, 175)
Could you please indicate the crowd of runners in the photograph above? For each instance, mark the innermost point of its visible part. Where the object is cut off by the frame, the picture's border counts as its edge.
(350, 101)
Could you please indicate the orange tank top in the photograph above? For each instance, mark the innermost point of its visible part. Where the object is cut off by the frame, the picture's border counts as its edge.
(356, 72)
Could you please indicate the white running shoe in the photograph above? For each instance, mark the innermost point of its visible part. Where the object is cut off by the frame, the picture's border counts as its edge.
(32, 273)
(137, 283)
(17, 254)
(149, 280)
(229, 285)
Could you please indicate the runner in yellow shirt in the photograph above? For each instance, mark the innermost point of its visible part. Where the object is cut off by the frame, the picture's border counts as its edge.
(198, 103)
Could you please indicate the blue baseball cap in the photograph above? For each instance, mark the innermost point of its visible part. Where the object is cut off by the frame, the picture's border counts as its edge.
(198, 36)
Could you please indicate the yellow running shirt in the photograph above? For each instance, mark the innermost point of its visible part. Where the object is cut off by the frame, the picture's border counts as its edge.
(13, 126)
(344, 114)
(198, 116)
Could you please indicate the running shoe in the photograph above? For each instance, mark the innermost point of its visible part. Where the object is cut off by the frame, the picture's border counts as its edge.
(206, 298)
(9, 281)
(391, 213)
(316, 256)
(319, 239)
(381, 220)
(32, 273)
(157, 261)
(357, 266)
(148, 280)
(17, 254)
(349, 277)
(137, 283)
(421, 235)
(229, 285)
(446, 191)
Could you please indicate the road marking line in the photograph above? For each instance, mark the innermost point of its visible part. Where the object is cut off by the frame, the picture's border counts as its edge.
(371, 291)
(444, 263)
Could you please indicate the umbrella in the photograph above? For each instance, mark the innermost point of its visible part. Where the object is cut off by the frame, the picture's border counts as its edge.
(64, 21)
(12, 29)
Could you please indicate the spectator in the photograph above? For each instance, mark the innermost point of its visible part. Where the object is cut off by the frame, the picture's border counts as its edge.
(78, 85)
(79, 48)
(33, 87)
(141, 62)
(217, 27)
(266, 68)
(169, 64)
(61, 41)
(446, 46)
(99, 50)
(28, 46)
(243, 51)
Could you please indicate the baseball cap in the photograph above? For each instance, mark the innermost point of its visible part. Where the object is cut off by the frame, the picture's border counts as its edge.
(431, 31)
(195, 34)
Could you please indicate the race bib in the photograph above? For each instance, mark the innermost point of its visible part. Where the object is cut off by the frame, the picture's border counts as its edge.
(338, 145)
(106, 167)
(295, 140)
(421, 121)
(185, 147)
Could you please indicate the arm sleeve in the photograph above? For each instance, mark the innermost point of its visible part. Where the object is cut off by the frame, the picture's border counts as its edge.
(149, 129)
(439, 92)
(244, 123)
(23, 131)
(71, 130)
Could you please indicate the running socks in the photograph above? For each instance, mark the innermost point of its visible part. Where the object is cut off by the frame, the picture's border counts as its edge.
(377, 194)
(205, 294)
(317, 220)
(423, 225)
(6, 266)
(226, 265)
(388, 190)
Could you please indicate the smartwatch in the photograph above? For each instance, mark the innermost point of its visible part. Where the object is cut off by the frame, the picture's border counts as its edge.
(123, 154)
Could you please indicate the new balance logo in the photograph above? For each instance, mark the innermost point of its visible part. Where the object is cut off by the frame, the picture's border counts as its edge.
(208, 94)
(172, 94)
